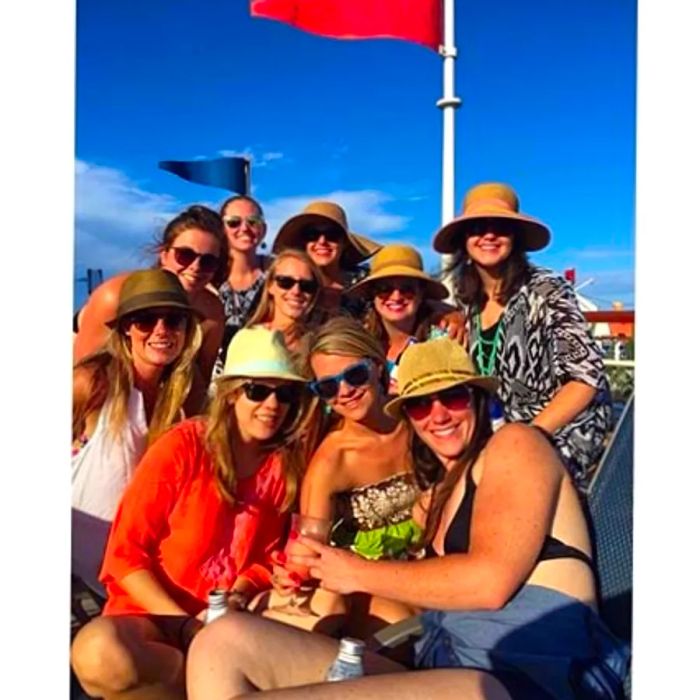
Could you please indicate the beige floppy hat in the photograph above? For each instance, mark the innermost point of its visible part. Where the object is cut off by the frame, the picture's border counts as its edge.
(396, 260)
(491, 200)
(429, 367)
(291, 233)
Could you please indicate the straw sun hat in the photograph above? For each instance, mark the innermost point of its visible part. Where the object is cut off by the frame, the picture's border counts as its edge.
(151, 289)
(323, 213)
(491, 200)
(259, 353)
(397, 260)
(432, 366)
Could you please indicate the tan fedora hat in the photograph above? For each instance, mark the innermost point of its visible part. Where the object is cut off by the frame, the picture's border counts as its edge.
(491, 200)
(291, 234)
(396, 260)
(432, 366)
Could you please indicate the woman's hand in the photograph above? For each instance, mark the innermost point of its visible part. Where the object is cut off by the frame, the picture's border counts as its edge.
(337, 570)
(284, 582)
(454, 323)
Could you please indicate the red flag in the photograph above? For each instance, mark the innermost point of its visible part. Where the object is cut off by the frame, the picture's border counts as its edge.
(411, 20)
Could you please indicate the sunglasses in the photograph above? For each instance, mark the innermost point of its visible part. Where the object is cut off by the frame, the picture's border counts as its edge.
(385, 289)
(498, 227)
(286, 282)
(332, 235)
(456, 398)
(146, 321)
(355, 375)
(252, 220)
(208, 262)
(285, 393)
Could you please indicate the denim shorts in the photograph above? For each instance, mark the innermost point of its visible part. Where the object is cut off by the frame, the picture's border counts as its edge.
(542, 645)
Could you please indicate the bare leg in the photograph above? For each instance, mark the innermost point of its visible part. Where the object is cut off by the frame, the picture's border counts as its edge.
(240, 653)
(438, 684)
(127, 657)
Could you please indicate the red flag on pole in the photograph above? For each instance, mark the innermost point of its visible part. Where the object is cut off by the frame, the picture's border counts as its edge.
(411, 20)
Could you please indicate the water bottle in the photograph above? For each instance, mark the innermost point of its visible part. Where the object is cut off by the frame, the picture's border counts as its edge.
(218, 605)
(348, 663)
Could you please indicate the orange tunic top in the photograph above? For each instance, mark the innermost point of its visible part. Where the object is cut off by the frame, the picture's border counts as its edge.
(173, 522)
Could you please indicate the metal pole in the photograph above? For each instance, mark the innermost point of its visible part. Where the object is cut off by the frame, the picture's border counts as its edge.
(448, 103)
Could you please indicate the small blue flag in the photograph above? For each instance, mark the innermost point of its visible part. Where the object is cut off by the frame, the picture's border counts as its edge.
(230, 172)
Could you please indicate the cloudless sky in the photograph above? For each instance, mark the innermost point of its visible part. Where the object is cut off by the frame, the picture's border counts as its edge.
(548, 91)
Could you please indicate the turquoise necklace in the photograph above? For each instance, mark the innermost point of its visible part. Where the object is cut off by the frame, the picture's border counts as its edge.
(486, 349)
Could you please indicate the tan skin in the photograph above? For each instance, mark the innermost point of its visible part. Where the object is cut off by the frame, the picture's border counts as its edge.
(244, 240)
(523, 494)
(131, 657)
(103, 302)
(367, 448)
(488, 251)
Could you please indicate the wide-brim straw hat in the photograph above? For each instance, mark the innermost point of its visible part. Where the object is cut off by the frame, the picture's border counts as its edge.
(396, 260)
(491, 200)
(429, 367)
(259, 353)
(151, 289)
(291, 234)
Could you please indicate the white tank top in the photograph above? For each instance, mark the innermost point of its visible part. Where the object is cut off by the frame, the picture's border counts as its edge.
(105, 465)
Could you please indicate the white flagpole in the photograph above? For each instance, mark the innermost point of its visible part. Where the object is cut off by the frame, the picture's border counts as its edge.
(448, 103)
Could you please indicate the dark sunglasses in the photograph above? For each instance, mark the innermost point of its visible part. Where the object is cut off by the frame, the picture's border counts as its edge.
(355, 375)
(285, 393)
(236, 221)
(456, 398)
(499, 227)
(332, 235)
(385, 289)
(208, 262)
(286, 282)
(145, 321)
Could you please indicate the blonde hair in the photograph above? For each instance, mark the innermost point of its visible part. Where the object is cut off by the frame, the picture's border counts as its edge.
(112, 379)
(265, 310)
(287, 440)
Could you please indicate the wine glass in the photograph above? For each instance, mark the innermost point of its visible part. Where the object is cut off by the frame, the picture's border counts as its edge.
(319, 530)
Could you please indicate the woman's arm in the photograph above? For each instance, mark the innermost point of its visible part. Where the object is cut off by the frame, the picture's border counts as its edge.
(513, 511)
(144, 589)
(565, 405)
(321, 482)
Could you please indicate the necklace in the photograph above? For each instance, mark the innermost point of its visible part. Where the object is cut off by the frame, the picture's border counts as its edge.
(486, 349)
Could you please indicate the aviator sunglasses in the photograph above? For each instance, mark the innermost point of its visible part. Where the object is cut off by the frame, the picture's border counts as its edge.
(456, 398)
(355, 375)
(286, 282)
(236, 221)
(145, 321)
(285, 393)
(208, 262)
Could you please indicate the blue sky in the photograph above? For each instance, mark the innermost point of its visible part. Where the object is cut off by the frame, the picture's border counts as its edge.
(548, 91)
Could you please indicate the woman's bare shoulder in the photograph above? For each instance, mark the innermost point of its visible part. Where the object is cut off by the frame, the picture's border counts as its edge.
(207, 302)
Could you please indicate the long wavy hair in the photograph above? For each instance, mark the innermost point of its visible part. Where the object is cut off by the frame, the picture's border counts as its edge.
(287, 441)
(430, 472)
(265, 310)
(112, 379)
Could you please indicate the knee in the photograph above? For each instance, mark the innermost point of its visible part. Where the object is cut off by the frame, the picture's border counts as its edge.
(225, 634)
(101, 661)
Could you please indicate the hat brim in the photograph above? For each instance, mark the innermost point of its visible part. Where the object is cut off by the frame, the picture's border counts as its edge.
(359, 247)
(534, 234)
(393, 408)
(433, 288)
(141, 303)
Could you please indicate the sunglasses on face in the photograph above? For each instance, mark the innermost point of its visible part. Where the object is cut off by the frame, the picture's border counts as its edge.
(355, 375)
(286, 282)
(285, 393)
(386, 289)
(146, 321)
(254, 220)
(208, 262)
(332, 235)
(456, 398)
(498, 227)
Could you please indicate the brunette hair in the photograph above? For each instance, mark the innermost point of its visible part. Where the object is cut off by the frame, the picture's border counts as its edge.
(111, 379)
(241, 197)
(287, 441)
(430, 472)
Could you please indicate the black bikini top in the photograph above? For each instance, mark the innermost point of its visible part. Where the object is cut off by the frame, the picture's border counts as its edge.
(457, 535)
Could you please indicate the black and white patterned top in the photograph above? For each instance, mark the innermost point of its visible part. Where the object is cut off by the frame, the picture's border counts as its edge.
(543, 342)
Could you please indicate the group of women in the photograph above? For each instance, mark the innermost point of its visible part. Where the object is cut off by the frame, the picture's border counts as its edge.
(363, 402)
